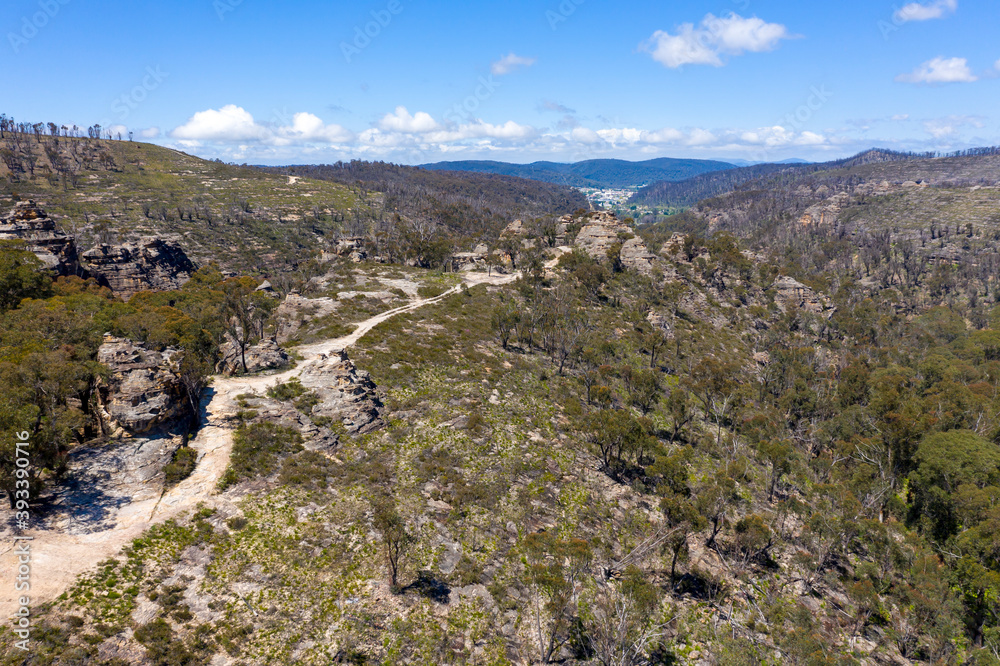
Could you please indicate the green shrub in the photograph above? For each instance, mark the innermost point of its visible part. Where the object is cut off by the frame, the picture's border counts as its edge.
(308, 468)
(257, 450)
(431, 290)
(288, 391)
(181, 466)
(236, 523)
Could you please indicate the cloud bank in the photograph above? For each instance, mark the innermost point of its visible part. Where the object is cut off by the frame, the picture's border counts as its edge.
(713, 39)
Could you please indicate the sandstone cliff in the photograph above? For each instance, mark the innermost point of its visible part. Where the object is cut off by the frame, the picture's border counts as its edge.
(29, 223)
(142, 392)
(150, 265)
(265, 355)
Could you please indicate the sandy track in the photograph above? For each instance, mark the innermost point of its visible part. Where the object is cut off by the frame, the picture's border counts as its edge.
(58, 559)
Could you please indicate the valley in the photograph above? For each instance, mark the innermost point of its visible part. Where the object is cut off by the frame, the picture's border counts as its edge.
(384, 415)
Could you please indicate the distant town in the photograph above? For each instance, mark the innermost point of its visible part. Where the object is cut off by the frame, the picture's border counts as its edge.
(607, 198)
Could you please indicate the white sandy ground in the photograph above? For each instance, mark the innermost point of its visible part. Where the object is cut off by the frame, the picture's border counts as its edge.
(58, 559)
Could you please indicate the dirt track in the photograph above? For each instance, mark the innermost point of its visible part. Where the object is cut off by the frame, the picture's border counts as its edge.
(58, 559)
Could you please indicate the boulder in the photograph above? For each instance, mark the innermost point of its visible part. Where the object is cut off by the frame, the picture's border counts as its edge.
(467, 261)
(265, 355)
(347, 395)
(150, 265)
(789, 292)
(353, 248)
(29, 223)
(636, 255)
(142, 392)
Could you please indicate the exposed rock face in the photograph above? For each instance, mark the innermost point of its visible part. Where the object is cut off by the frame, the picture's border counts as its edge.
(792, 293)
(265, 355)
(636, 255)
(515, 228)
(295, 310)
(29, 223)
(469, 261)
(150, 265)
(143, 392)
(827, 211)
(347, 394)
(600, 233)
(354, 248)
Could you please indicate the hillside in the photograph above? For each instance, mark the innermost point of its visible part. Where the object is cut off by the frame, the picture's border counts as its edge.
(601, 174)
(257, 220)
(893, 166)
(472, 206)
(771, 440)
(113, 191)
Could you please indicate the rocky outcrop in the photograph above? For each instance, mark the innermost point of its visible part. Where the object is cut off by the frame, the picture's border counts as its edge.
(514, 229)
(150, 265)
(354, 248)
(636, 255)
(142, 392)
(347, 395)
(29, 223)
(825, 212)
(296, 310)
(790, 293)
(601, 232)
(265, 355)
(469, 261)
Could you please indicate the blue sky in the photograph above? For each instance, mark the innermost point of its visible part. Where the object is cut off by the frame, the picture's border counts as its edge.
(416, 81)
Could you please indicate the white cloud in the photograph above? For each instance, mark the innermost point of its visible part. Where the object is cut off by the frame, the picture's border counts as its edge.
(585, 135)
(232, 133)
(234, 124)
(810, 139)
(899, 117)
(231, 123)
(402, 121)
(926, 11)
(700, 137)
(714, 38)
(940, 70)
(117, 130)
(149, 133)
(509, 63)
(949, 126)
(309, 128)
(996, 65)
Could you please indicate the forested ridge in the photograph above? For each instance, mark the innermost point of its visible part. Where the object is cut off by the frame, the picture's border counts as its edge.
(600, 173)
(885, 164)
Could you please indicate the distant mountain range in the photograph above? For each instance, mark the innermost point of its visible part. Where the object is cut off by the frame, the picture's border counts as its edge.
(601, 174)
(896, 166)
(746, 163)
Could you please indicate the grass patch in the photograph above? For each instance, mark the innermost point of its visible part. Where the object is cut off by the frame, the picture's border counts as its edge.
(257, 450)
